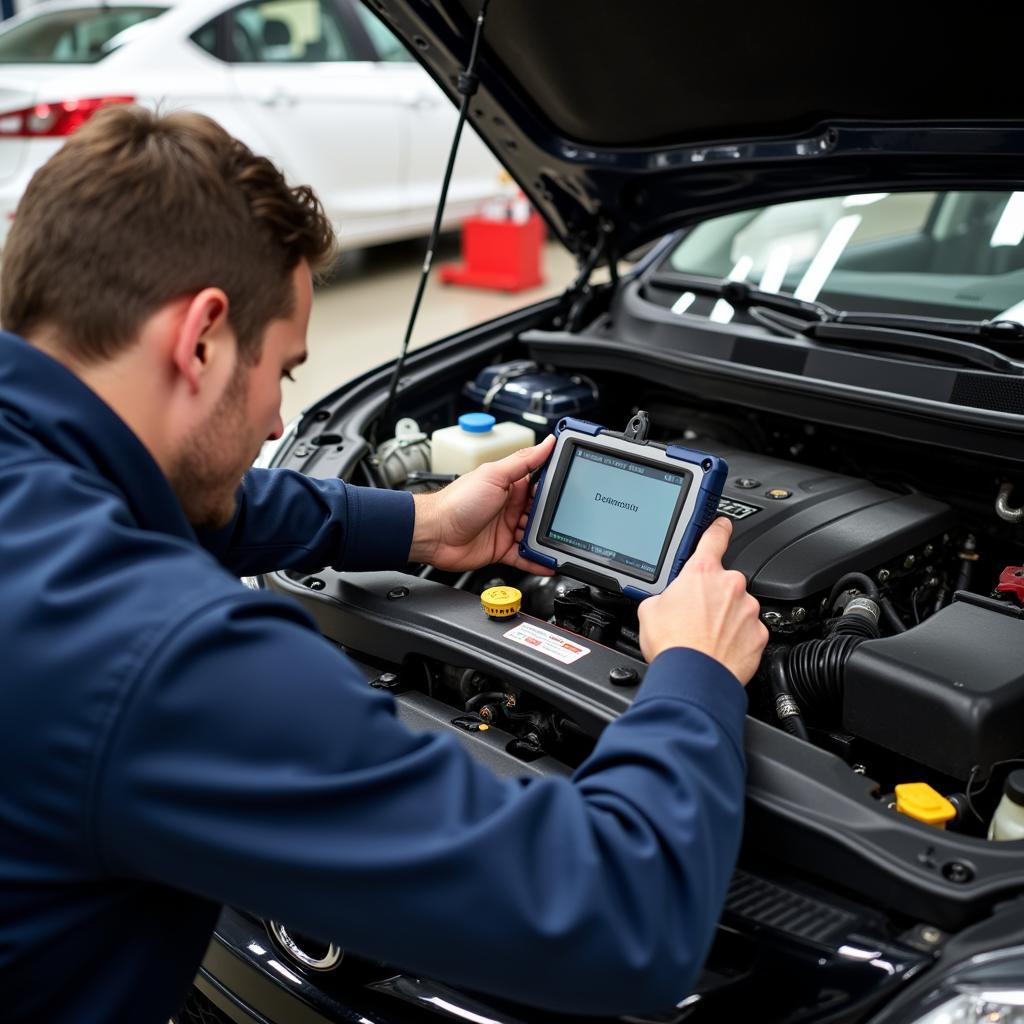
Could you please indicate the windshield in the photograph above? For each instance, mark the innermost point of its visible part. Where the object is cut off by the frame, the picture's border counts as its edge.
(83, 35)
(948, 254)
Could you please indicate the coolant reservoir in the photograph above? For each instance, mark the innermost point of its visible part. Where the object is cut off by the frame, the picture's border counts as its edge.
(475, 440)
(1008, 821)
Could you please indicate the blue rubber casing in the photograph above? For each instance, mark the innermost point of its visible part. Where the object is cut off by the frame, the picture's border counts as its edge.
(709, 473)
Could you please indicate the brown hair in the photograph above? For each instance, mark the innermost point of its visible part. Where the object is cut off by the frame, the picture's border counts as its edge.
(138, 209)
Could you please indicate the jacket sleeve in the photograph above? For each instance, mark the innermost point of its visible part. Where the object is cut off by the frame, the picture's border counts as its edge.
(287, 520)
(253, 766)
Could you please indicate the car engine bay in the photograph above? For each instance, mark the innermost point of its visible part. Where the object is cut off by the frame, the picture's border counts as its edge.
(889, 576)
(844, 540)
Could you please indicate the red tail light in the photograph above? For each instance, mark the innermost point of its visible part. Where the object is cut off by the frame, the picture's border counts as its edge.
(49, 120)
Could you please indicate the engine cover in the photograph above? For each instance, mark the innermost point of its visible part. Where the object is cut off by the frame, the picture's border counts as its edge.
(797, 529)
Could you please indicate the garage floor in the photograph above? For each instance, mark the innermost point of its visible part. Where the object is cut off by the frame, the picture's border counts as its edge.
(359, 319)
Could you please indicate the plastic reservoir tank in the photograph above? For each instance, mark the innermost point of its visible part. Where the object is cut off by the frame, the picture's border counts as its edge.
(477, 438)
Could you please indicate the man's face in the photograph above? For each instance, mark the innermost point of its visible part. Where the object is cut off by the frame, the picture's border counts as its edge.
(217, 453)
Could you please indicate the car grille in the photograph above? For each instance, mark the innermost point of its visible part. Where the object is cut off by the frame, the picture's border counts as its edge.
(800, 916)
(199, 1010)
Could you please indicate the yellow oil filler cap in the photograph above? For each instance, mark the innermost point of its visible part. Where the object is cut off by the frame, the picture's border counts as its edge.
(919, 800)
(501, 602)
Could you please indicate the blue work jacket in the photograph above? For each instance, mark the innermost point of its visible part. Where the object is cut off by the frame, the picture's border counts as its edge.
(171, 741)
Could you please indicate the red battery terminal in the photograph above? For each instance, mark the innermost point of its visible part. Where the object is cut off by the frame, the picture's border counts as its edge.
(1011, 581)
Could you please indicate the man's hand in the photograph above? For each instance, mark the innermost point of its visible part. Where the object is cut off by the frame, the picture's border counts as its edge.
(708, 609)
(479, 519)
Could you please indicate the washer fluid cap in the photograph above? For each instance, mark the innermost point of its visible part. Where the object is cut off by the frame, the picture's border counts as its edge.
(918, 800)
(1014, 786)
(477, 422)
(501, 602)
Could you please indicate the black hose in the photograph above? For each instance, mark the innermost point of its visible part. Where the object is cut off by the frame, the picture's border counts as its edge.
(963, 579)
(809, 676)
(891, 616)
(786, 708)
(568, 725)
(494, 697)
(466, 683)
(865, 584)
(856, 625)
(815, 671)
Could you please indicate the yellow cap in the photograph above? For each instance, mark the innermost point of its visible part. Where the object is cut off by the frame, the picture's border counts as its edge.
(919, 800)
(501, 602)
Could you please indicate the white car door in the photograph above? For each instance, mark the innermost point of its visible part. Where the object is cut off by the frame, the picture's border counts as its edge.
(477, 174)
(323, 116)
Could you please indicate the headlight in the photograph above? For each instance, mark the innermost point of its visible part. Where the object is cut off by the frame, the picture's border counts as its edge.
(979, 1008)
(988, 989)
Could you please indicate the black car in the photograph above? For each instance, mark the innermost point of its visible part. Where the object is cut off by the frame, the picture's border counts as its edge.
(830, 296)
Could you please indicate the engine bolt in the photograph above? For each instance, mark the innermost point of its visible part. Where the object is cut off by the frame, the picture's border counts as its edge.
(859, 769)
(957, 872)
(771, 619)
(931, 935)
(799, 614)
(908, 562)
(929, 550)
(623, 675)
(883, 575)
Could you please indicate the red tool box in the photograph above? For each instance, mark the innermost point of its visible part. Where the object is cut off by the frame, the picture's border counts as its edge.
(499, 253)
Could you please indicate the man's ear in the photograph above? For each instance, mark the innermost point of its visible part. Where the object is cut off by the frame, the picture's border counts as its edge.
(204, 338)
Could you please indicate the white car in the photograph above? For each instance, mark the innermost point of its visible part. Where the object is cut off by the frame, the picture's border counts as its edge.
(319, 86)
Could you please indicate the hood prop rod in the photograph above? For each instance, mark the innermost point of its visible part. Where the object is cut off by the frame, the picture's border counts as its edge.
(577, 295)
(468, 83)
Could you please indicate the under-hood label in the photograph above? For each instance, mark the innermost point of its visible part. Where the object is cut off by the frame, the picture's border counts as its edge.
(737, 509)
(548, 643)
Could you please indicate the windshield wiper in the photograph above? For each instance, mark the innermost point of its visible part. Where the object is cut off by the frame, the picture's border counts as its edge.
(738, 293)
(890, 339)
(956, 339)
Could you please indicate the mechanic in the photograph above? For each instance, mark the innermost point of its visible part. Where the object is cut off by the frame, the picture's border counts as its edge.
(173, 741)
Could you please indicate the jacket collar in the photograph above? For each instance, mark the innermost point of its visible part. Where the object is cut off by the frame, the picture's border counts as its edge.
(43, 405)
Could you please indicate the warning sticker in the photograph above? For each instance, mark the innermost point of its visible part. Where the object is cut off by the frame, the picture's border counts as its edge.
(546, 642)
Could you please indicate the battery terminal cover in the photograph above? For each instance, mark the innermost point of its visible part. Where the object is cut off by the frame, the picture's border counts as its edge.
(501, 602)
(1011, 581)
(919, 800)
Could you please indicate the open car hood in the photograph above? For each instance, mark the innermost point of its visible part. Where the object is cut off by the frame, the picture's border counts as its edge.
(622, 121)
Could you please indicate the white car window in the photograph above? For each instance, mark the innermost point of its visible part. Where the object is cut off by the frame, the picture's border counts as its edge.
(388, 46)
(82, 35)
(285, 31)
